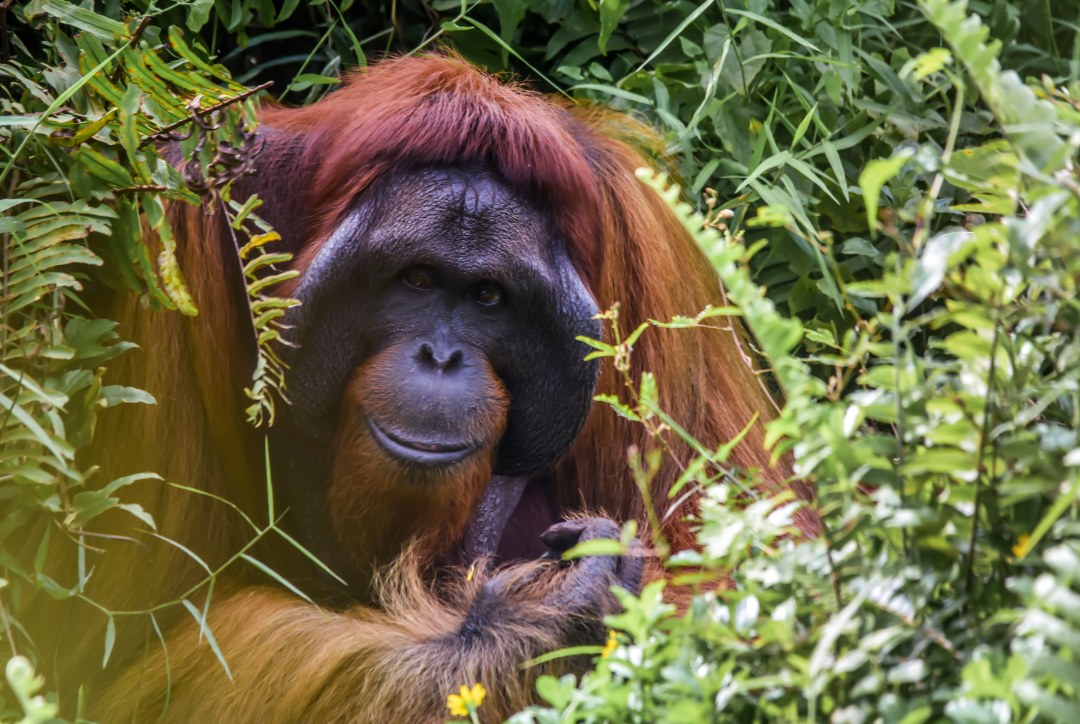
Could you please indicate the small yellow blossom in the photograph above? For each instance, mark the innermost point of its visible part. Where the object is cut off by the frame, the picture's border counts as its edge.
(1020, 549)
(756, 126)
(610, 646)
(467, 700)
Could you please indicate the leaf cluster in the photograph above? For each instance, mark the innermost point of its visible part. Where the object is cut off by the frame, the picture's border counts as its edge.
(103, 123)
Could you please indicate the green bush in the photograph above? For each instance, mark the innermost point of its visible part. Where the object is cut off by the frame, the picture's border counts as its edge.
(891, 197)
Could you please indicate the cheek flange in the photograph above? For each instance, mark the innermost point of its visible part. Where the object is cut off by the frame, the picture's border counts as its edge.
(549, 381)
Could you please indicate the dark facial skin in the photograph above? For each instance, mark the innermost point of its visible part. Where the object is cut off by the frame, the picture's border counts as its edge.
(458, 275)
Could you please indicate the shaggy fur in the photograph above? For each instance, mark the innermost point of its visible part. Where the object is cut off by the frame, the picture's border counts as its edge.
(426, 635)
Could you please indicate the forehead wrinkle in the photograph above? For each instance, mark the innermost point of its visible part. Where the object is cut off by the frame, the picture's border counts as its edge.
(469, 215)
(477, 200)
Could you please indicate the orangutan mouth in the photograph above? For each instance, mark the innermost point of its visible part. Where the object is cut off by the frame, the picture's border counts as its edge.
(429, 453)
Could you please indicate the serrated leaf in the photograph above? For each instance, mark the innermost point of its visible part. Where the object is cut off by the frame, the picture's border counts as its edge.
(616, 404)
(648, 394)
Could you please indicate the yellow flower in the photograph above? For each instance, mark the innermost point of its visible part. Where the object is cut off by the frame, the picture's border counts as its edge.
(456, 705)
(610, 646)
(756, 126)
(467, 700)
(1020, 549)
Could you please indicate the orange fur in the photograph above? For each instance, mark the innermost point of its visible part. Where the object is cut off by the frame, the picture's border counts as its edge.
(290, 660)
(377, 506)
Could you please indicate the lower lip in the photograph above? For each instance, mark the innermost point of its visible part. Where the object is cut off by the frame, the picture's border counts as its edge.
(407, 453)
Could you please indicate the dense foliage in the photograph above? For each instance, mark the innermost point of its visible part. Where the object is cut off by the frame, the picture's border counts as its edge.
(890, 195)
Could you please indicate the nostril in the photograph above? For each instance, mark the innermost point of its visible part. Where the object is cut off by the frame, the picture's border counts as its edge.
(440, 358)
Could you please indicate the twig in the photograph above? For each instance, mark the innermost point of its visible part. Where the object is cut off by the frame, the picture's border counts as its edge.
(199, 112)
(140, 189)
(7, 629)
(143, 24)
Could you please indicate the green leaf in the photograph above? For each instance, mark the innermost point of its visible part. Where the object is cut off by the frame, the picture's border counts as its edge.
(205, 632)
(611, 12)
(112, 395)
(288, 7)
(927, 63)
(274, 575)
(511, 13)
(81, 18)
(185, 51)
(129, 113)
(199, 12)
(1060, 505)
(594, 547)
(306, 80)
(873, 178)
(56, 445)
(104, 168)
(558, 692)
(110, 639)
(1028, 121)
(614, 92)
(674, 34)
(938, 256)
(648, 395)
(621, 409)
(775, 26)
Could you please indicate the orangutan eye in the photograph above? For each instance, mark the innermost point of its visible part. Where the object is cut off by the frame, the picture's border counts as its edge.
(488, 294)
(418, 277)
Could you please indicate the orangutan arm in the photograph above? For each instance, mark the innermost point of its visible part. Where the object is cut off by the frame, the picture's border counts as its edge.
(291, 661)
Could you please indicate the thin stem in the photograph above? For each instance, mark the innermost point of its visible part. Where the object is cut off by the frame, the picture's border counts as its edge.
(7, 628)
(984, 437)
(926, 210)
(834, 577)
(199, 112)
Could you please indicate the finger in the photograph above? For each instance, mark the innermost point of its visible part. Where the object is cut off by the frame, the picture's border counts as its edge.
(562, 536)
(585, 586)
(565, 535)
(631, 567)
